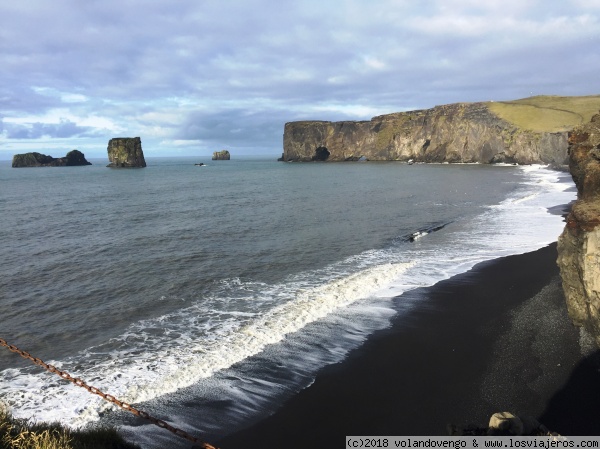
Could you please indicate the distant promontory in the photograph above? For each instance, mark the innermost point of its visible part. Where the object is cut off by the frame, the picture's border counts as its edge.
(125, 152)
(73, 158)
(531, 130)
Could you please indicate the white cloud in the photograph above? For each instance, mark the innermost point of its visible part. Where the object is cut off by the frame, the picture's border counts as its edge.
(357, 111)
(232, 73)
(184, 143)
(56, 116)
(374, 63)
(73, 98)
(586, 4)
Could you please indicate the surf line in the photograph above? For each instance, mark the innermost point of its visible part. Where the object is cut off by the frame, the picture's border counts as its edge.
(107, 397)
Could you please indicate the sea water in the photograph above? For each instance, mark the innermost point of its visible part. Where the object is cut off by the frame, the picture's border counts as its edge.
(206, 295)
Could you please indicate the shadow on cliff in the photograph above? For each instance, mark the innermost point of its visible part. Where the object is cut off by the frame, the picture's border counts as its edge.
(575, 408)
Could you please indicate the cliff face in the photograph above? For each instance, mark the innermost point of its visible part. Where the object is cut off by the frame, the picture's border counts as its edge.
(73, 158)
(450, 133)
(125, 152)
(579, 244)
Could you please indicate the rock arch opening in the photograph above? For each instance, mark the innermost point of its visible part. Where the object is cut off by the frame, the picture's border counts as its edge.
(321, 154)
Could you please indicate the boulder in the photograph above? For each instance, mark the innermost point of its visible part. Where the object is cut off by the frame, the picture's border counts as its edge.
(125, 152)
(505, 423)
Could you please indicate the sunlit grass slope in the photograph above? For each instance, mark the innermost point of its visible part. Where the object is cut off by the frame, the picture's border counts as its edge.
(21, 434)
(547, 113)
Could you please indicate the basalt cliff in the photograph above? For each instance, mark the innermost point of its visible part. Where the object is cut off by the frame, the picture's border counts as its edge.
(579, 244)
(462, 132)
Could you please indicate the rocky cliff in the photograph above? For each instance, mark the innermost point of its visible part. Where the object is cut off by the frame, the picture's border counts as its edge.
(73, 158)
(222, 155)
(125, 152)
(579, 244)
(462, 132)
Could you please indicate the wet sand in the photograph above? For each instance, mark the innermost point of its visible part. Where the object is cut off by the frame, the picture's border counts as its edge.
(496, 338)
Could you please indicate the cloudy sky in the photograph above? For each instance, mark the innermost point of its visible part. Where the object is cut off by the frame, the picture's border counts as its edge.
(194, 76)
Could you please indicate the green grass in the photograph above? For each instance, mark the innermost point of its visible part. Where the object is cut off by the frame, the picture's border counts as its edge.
(21, 434)
(547, 113)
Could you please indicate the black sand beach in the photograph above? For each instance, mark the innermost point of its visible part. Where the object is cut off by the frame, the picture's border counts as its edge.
(496, 338)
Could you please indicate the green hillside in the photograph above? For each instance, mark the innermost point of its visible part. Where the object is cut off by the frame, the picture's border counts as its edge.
(547, 113)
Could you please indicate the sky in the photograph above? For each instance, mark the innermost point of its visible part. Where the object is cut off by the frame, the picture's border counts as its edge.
(195, 76)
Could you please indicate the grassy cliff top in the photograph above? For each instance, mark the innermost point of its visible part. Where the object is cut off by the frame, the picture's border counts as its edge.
(547, 113)
(23, 434)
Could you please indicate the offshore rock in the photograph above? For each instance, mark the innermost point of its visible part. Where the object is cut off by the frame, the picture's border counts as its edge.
(72, 159)
(458, 132)
(125, 152)
(579, 244)
(222, 155)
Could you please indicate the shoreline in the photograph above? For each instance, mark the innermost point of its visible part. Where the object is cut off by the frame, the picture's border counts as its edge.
(496, 338)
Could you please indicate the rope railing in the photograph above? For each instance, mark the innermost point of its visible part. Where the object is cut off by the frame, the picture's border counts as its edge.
(107, 397)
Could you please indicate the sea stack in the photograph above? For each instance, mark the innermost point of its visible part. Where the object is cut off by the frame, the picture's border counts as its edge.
(579, 244)
(72, 159)
(126, 152)
(221, 155)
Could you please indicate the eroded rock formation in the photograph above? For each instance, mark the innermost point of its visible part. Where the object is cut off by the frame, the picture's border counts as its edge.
(126, 152)
(579, 244)
(73, 158)
(222, 155)
(451, 133)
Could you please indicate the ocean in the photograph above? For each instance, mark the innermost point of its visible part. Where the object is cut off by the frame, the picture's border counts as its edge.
(207, 295)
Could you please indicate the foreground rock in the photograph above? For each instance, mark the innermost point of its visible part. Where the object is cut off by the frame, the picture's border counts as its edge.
(504, 424)
(579, 244)
(221, 155)
(126, 152)
(73, 158)
(451, 133)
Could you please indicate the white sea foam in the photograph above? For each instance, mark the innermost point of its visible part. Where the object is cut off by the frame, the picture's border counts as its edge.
(241, 318)
(142, 366)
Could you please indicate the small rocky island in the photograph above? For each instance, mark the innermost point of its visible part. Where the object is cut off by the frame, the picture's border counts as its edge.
(221, 155)
(126, 152)
(72, 159)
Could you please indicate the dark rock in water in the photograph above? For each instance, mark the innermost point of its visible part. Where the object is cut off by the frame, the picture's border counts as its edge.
(221, 155)
(424, 231)
(31, 160)
(75, 158)
(579, 244)
(72, 159)
(125, 152)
